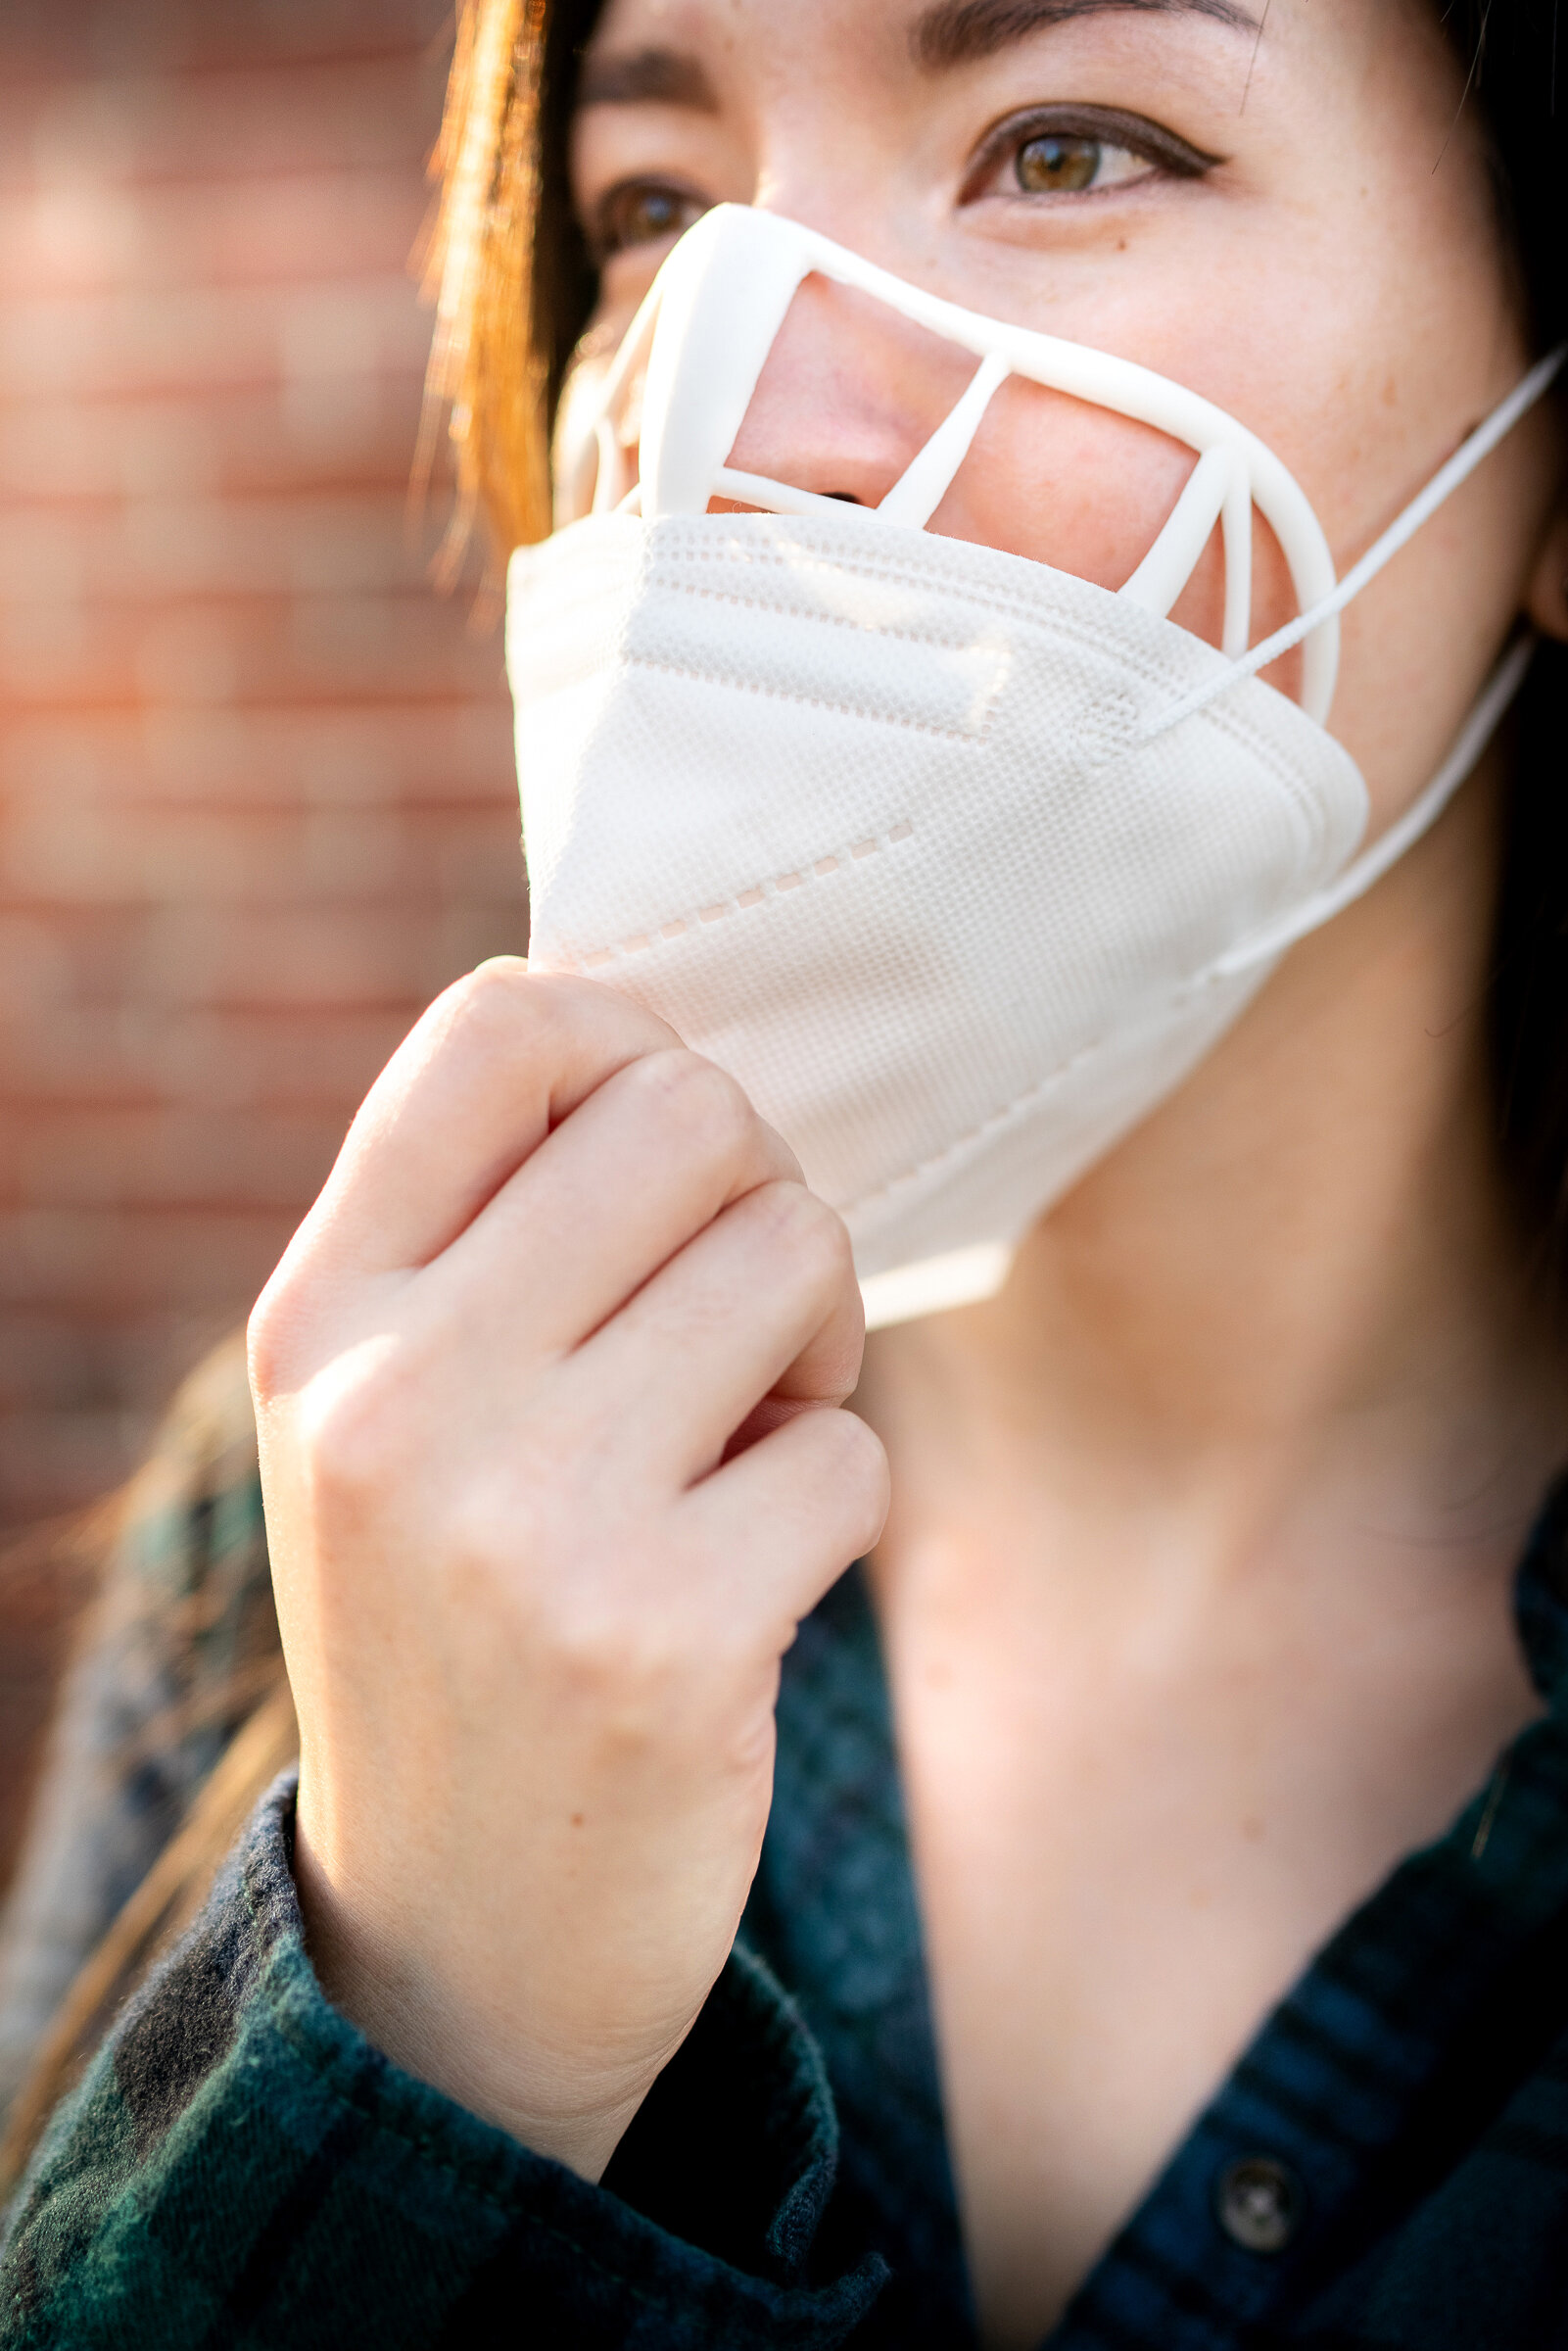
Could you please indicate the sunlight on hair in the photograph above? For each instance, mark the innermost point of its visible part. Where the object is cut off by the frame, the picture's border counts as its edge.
(487, 372)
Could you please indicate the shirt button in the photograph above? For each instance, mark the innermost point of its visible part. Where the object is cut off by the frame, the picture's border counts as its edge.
(1258, 2203)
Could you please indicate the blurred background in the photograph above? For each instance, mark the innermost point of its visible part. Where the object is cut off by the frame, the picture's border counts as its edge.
(255, 791)
(257, 803)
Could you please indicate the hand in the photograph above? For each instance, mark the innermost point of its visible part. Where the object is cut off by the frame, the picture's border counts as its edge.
(546, 1385)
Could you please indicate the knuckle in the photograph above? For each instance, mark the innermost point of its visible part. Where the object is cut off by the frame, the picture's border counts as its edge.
(852, 1460)
(815, 1234)
(352, 1429)
(707, 1108)
(508, 970)
(486, 1003)
(268, 1350)
(859, 1445)
(870, 1464)
(578, 1003)
(586, 1584)
(275, 1334)
(502, 1008)
(618, 1663)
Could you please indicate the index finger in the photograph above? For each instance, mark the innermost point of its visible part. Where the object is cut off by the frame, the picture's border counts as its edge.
(503, 1056)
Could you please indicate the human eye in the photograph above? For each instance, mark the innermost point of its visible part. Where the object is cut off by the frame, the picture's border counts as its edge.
(640, 213)
(1056, 151)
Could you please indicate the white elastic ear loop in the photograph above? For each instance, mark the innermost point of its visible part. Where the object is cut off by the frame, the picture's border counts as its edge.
(1386, 850)
(1464, 463)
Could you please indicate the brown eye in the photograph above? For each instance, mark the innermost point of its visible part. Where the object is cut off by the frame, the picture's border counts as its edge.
(1044, 153)
(1057, 163)
(641, 212)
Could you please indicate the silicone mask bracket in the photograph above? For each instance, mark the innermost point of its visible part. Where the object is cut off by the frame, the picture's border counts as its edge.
(710, 320)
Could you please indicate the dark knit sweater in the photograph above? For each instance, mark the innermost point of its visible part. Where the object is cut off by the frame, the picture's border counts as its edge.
(1387, 2166)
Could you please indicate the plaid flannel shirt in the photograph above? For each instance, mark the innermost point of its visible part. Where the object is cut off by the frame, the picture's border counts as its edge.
(1386, 2168)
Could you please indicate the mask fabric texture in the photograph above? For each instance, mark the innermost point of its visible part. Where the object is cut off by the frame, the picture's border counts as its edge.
(957, 863)
(864, 816)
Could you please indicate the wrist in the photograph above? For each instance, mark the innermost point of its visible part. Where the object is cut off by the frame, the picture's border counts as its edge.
(424, 2023)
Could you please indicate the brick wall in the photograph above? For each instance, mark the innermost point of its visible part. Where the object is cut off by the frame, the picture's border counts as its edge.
(255, 795)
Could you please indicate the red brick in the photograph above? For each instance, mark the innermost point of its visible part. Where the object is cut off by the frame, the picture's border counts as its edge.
(54, 1462)
(342, 432)
(154, 551)
(362, 754)
(374, 101)
(64, 232)
(60, 653)
(160, 1157)
(113, 1261)
(255, 795)
(170, 338)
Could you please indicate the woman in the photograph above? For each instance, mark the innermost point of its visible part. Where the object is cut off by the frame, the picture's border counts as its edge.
(1159, 1929)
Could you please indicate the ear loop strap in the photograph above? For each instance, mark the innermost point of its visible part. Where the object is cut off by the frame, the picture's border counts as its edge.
(1495, 700)
(1386, 850)
(1464, 463)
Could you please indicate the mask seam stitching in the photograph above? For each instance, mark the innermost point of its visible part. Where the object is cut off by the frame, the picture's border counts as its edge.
(1228, 722)
(905, 573)
(991, 600)
(770, 887)
(1235, 727)
(1006, 607)
(1194, 984)
(833, 620)
(821, 867)
(898, 574)
(812, 701)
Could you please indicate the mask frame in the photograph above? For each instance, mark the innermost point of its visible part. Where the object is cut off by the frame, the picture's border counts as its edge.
(703, 334)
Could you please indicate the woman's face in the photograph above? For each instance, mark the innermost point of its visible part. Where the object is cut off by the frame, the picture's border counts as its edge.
(1286, 208)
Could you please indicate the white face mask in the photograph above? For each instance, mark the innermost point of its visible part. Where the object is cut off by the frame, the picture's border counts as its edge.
(957, 862)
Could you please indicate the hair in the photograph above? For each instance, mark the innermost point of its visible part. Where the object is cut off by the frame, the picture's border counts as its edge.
(514, 287)
(1510, 48)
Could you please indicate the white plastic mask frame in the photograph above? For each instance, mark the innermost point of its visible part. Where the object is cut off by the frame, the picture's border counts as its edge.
(709, 322)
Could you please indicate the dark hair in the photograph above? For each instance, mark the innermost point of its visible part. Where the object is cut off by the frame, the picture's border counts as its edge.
(1510, 51)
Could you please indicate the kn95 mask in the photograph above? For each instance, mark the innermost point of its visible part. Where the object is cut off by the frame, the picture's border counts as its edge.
(957, 862)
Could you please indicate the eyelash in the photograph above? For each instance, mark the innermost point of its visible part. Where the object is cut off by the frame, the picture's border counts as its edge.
(1103, 127)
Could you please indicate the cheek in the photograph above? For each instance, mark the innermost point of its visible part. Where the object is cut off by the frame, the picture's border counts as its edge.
(1065, 484)
(1088, 492)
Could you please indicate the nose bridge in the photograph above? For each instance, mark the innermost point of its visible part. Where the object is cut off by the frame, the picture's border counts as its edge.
(763, 361)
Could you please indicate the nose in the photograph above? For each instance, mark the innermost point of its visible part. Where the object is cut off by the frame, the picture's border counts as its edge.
(848, 395)
(758, 356)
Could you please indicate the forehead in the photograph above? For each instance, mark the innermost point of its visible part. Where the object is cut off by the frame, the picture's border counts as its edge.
(929, 35)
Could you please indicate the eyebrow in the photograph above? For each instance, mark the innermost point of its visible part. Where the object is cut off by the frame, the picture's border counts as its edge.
(955, 33)
(645, 77)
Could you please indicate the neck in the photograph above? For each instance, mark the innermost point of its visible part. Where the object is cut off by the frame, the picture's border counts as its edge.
(1292, 1295)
